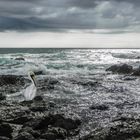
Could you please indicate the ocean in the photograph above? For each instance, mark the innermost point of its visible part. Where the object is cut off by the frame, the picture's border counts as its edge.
(83, 80)
(64, 61)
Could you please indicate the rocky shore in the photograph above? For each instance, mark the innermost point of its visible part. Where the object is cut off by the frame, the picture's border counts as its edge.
(35, 120)
(124, 69)
(112, 114)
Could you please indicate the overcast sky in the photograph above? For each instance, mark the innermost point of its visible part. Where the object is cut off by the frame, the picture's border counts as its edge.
(70, 23)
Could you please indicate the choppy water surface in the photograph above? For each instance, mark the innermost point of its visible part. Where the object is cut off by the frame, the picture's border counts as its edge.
(83, 80)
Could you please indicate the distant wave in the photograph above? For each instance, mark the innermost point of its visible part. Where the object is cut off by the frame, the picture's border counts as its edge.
(65, 61)
(126, 55)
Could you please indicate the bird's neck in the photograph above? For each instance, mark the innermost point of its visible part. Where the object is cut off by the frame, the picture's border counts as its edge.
(33, 81)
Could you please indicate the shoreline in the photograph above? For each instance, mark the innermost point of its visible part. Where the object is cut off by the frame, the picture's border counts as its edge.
(113, 112)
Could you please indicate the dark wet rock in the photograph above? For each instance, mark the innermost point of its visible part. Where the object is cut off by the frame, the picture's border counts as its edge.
(124, 69)
(125, 104)
(12, 80)
(51, 81)
(123, 131)
(38, 108)
(14, 113)
(52, 104)
(56, 120)
(29, 130)
(66, 123)
(38, 98)
(113, 68)
(2, 96)
(6, 130)
(39, 117)
(20, 59)
(35, 124)
(95, 135)
(123, 128)
(99, 107)
(20, 119)
(88, 83)
(48, 83)
(138, 57)
(49, 136)
(59, 132)
(24, 136)
(54, 126)
(11, 84)
(38, 104)
(26, 102)
(39, 72)
(4, 138)
(55, 133)
(136, 72)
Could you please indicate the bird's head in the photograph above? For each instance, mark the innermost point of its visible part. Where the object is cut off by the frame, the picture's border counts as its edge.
(31, 74)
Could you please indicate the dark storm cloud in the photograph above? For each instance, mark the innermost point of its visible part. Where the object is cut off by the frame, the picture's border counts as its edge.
(69, 14)
(131, 1)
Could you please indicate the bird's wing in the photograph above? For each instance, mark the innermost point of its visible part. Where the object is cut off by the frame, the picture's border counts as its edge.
(30, 92)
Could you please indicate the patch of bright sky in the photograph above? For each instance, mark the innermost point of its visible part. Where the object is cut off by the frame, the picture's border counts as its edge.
(71, 39)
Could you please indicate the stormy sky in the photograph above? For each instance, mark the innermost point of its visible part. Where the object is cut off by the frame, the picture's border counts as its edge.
(69, 14)
(19, 18)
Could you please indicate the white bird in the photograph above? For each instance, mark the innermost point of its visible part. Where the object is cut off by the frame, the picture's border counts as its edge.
(30, 91)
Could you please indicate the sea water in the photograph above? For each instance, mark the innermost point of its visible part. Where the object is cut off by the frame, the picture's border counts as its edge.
(83, 79)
